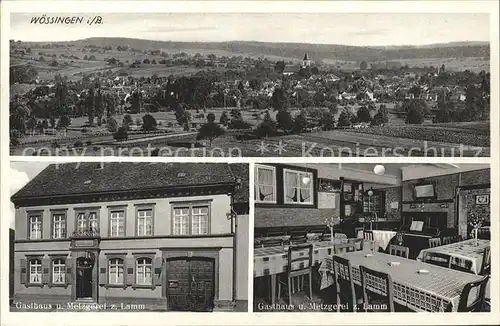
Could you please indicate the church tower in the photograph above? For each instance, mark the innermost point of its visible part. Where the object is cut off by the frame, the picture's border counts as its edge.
(306, 62)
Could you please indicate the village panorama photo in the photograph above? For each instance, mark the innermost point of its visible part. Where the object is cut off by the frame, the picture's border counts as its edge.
(243, 84)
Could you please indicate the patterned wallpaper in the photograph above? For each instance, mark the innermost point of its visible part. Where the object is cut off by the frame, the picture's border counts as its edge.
(470, 201)
(393, 195)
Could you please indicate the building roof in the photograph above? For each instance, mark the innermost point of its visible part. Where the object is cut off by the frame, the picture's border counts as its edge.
(90, 178)
(241, 171)
(291, 69)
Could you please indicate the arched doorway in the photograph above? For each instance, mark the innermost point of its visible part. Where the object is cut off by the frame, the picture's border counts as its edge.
(84, 277)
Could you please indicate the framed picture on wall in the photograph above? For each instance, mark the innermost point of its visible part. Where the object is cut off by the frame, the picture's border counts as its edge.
(482, 199)
(328, 185)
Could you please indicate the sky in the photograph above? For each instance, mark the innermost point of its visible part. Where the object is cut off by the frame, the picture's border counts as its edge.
(373, 29)
(20, 174)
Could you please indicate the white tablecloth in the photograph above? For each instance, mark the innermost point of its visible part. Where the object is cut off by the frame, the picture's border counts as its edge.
(464, 253)
(383, 237)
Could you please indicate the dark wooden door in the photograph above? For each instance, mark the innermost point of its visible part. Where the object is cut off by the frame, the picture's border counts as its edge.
(84, 278)
(190, 284)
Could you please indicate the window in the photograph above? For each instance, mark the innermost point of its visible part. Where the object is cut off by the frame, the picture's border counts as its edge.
(35, 268)
(58, 226)
(191, 220)
(265, 184)
(199, 224)
(145, 222)
(87, 222)
(115, 271)
(298, 187)
(117, 224)
(181, 220)
(58, 271)
(35, 227)
(143, 274)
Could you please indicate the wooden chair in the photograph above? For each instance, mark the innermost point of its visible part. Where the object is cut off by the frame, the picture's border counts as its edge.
(400, 251)
(358, 243)
(359, 232)
(466, 305)
(272, 243)
(370, 245)
(346, 293)
(343, 248)
(447, 240)
(434, 242)
(340, 236)
(486, 265)
(377, 289)
(298, 239)
(298, 267)
(438, 259)
(368, 235)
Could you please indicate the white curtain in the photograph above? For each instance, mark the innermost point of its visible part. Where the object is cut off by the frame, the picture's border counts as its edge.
(265, 182)
(291, 185)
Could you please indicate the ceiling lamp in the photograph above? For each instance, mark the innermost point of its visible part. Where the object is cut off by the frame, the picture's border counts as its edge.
(306, 180)
(379, 169)
(370, 193)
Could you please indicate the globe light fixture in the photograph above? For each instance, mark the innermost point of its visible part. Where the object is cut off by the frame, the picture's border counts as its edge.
(306, 180)
(370, 193)
(379, 170)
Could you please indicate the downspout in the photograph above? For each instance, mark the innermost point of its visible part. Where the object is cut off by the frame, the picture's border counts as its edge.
(234, 223)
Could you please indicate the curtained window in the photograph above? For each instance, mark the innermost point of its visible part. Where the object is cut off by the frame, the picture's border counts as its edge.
(265, 184)
(296, 189)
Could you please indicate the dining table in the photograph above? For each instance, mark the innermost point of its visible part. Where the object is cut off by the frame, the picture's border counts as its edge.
(467, 254)
(271, 261)
(383, 237)
(418, 286)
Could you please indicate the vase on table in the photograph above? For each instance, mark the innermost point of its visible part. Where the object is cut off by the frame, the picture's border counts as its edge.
(475, 236)
(331, 235)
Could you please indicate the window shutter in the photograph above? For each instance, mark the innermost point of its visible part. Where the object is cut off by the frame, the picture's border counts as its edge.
(23, 274)
(103, 270)
(69, 270)
(157, 271)
(129, 270)
(46, 271)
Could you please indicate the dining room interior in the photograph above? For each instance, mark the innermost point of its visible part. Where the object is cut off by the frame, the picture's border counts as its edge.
(372, 237)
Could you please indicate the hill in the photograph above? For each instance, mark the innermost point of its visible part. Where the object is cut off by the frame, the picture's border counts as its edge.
(296, 50)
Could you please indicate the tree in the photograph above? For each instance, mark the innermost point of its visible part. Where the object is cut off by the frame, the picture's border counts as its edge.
(22, 74)
(416, 109)
(210, 117)
(121, 134)
(284, 121)
(183, 117)
(279, 66)
(239, 124)
(210, 131)
(64, 122)
(381, 117)
(52, 122)
(363, 114)
(127, 121)
(112, 124)
(363, 65)
(279, 99)
(148, 122)
(344, 119)
(267, 127)
(224, 118)
(314, 70)
(300, 123)
(328, 120)
(414, 116)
